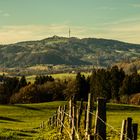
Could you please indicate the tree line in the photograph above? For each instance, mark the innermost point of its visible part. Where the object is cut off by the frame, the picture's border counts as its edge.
(112, 84)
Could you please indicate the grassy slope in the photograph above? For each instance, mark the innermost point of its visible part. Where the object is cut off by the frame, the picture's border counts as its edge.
(22, 121)
(117, 113)
(58, 76)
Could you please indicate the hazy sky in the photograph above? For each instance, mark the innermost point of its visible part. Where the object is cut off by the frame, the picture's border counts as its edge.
(37, 19)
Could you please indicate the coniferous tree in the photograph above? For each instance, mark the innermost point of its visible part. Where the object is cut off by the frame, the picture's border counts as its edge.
(131, 84)
(82, 86)
(39, 80)
(116, 80)
(100, 84)
(22, 82)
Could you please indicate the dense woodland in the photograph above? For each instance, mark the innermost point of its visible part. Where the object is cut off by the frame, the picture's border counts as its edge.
(112, 84)
(67, 51)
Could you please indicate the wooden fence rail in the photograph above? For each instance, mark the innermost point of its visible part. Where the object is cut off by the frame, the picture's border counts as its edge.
(92, 131)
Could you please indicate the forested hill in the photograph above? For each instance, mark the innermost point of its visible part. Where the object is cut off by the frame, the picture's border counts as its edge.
(71, 51)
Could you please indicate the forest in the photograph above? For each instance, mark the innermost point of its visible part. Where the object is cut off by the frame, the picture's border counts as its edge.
(111, 83)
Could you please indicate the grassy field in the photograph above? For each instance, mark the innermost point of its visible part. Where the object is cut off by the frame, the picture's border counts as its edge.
(22, 121)
(57, 76)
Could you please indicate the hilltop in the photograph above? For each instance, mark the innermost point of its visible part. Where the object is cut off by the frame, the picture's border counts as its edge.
(68, 51)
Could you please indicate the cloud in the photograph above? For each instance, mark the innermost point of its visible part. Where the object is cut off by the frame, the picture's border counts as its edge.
(135, 5)
(124, 32)
(127, 30)
(6, 14)
(12, 34)
(131, 20)
(106, 8)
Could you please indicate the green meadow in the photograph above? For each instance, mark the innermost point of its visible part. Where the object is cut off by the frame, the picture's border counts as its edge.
(58, 76)
(22, 121)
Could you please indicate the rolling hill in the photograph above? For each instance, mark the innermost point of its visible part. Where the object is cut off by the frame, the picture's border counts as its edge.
(69, 51)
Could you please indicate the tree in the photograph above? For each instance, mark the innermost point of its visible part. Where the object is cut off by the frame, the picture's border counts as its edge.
(22, 82)
(27, 94)
(82, 86)
(9, 86)
(43, 79)
(71, 89)
(116, 80)
(3, 96)
(131, 84)
(100, 84)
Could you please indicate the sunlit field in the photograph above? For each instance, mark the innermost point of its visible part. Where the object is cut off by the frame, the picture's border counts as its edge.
(22, 121)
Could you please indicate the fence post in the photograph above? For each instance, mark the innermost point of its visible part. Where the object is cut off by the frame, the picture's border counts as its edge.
(80, 114)
(56, 119)
(50, 121)
(70, 112)
(89, 115)
(58, 116)
(129, 128)
(77, 118)
(53, 120)
(63, 118)
(123, 130)
(135, 130)
(73, 123)
(100, 126)
(85, 116)
(90, 137)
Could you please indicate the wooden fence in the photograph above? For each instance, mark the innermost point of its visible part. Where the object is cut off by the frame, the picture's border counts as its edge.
(72, 115)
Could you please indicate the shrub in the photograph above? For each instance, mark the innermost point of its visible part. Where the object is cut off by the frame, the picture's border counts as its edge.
(39, 93)
(125, 99)
(28, 94)
(135, 99)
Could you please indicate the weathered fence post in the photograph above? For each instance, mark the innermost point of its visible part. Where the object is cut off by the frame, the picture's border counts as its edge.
(74, 112)
(63, 118)
(80, 114)
(135, 130)
(50, 121)
(123, 130)
(53, 121)
(89, 115)
(42, 126)
(73, 123)
(56, 119)
(85, 116)
(70, 112)
(90, 137)
(100, 122)
(77, 118)
(129, 128)
(58, 116)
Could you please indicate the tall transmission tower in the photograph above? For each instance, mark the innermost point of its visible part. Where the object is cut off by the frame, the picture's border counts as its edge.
(69, 32)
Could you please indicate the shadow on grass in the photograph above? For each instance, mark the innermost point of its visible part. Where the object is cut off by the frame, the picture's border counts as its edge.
(9, 119)
(23, 135)
(2, 122)
(122, 107)
(28, 131)
(5, 138)
(28, 107)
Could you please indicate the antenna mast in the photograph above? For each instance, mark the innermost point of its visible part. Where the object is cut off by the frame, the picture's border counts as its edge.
(69, 32)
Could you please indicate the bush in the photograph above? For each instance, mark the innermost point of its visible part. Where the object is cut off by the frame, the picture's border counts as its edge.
(125, 99)
(135, 99)
(28, 94)
(39, 93)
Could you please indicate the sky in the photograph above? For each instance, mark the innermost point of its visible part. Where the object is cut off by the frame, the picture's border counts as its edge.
(22, 20)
